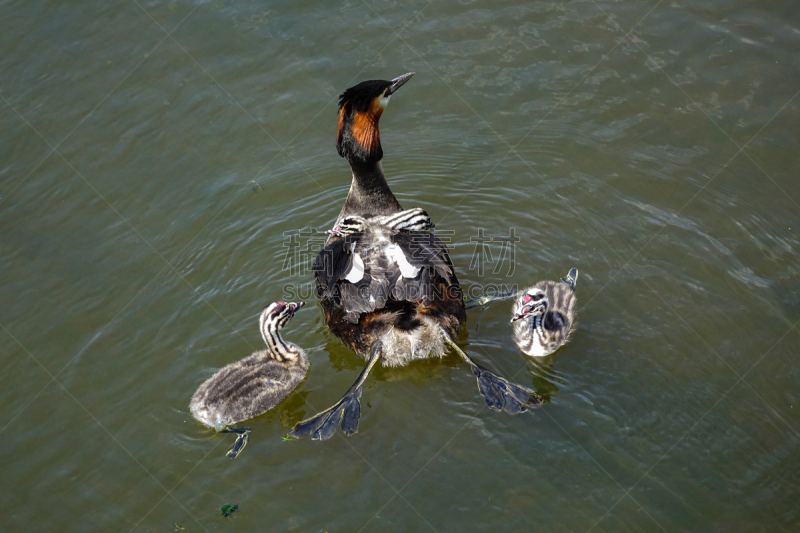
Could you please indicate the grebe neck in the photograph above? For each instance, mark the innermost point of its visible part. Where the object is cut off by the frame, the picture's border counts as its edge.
(369, 194)
(279, 348)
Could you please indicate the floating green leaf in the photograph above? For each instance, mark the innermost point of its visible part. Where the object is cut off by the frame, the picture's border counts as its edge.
(228, 509)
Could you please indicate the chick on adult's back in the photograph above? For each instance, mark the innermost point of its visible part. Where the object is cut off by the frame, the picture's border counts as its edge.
(255, 384)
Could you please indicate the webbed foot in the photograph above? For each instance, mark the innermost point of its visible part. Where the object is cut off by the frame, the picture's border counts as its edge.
(346, 412)
(479, 301)
(571, 278)
(502, 395)
(243, 435)
(485, 301)
(499, 393)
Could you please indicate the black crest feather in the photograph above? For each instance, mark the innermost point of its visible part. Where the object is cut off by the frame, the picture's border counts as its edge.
(358, 97)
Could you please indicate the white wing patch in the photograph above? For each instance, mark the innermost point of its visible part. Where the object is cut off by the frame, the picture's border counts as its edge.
(395, 255)
(356, 272)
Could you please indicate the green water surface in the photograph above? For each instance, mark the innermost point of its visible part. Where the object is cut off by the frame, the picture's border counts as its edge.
(157, 157)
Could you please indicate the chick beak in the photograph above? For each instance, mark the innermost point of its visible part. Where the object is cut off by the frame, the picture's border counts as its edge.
(294, 306)
(533, 308)
(517, 316)
(398, 82)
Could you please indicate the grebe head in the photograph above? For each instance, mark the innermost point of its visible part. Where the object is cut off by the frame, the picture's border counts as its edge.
(533, 302)
(277, 314)
(360, 109)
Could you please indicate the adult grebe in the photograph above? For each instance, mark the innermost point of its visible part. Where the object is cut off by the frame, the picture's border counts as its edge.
(255, 384)
(387, 287)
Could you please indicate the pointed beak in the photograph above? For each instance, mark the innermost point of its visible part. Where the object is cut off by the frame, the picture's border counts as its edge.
(531, 309)
(399, 81)
(294, 306)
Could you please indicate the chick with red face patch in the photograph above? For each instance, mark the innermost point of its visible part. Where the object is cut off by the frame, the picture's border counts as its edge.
(534, 302)
(543, 315)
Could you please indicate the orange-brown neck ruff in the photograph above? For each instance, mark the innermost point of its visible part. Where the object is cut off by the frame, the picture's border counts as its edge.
(358, 138)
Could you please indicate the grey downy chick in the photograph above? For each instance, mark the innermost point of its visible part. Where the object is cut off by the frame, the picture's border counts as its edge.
(253, 385)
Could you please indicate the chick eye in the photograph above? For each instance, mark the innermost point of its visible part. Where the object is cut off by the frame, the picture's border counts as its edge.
(537, 297)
